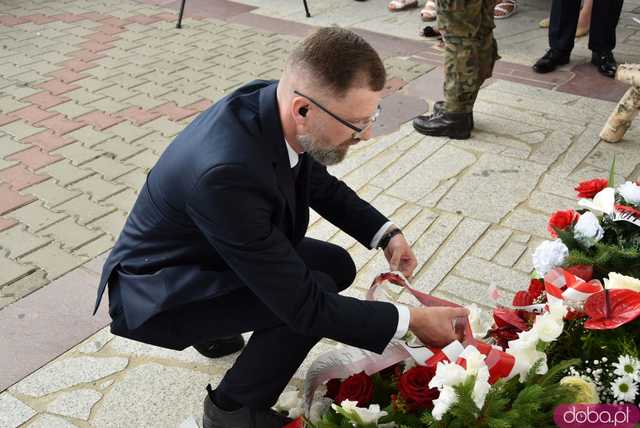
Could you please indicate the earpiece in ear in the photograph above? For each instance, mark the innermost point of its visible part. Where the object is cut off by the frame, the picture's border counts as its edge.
(303, 111)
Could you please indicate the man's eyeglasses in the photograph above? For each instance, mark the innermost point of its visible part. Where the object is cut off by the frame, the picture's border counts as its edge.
(358, 130)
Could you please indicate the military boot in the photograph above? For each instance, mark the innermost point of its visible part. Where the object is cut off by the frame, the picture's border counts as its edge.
(444, 124)
(438, 106)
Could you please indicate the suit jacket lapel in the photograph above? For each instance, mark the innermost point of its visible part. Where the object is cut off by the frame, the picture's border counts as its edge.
(270, 119)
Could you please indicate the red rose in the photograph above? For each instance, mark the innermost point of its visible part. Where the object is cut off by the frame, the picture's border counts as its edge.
(413, 386)
(562, 220)
(536, 288)
(358, 387)
(588, 189)
(333, 386)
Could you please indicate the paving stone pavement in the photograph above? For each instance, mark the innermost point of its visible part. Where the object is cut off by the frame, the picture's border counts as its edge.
(92, 91)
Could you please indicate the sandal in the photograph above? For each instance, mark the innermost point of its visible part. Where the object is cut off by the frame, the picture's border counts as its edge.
(429, 11)
(505, 9)
(544, 23)
(397, 5)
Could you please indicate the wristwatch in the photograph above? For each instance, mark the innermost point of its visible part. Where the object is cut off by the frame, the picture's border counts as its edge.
(384, 241)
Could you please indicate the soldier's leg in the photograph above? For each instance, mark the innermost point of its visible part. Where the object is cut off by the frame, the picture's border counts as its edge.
(460, 21)
(461, 80)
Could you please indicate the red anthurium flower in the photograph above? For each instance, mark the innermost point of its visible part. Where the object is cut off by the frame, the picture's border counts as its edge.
(562, 220)
(358, 387)
(624, 306)
(588, 189)
(508, 317)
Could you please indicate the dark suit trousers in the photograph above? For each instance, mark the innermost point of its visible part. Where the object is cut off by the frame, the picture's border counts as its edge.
(275, 351)
(602, 32)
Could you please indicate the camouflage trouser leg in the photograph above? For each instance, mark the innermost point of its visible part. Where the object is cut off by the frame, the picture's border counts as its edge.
(470, 49)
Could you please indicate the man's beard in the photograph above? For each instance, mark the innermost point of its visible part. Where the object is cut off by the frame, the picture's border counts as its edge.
(322, 155)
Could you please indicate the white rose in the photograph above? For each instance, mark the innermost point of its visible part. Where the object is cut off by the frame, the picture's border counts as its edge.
(443, 403)
(549, 255)
(587, 229)
(447, 374)
(621, 281)
(547, 327)
(526, 339)
(630, 191)
(557, 308)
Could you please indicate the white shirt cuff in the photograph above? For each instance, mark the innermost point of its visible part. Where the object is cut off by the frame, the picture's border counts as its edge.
(379, 233)
(403, 321)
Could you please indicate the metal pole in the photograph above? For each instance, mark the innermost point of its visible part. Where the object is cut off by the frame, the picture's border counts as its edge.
(306, 8)
(179, 24)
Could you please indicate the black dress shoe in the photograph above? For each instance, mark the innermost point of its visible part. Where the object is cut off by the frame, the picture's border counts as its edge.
(244, 417)
(438, 107)
(443, 124)
(605, 62)
(551, 60)
(220, 347)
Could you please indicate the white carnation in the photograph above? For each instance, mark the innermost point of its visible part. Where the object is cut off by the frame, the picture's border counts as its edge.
(587, 229)
(630, 191)
(549, 255)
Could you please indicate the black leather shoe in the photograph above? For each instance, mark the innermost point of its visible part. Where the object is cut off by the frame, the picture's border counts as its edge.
(220, 347)
(439, 107)
(551, 60)
(606, 63)
(244, 417)
(444, 124)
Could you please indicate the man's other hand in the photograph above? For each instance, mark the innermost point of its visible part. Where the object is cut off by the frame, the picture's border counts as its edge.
(400, 255)
(436, 326)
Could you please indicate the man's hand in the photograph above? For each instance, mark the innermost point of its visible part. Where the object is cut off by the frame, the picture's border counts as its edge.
(400, 255)
(437, 326)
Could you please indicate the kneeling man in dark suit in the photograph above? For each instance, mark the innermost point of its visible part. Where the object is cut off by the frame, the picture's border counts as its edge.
(215, 244)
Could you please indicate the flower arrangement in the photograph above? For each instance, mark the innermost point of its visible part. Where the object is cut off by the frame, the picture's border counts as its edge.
(573, 336)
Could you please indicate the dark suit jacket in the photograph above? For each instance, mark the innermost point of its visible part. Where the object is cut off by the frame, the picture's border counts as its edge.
(220, 210)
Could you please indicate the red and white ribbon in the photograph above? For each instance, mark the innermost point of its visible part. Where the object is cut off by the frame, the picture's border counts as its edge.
(564, 285)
